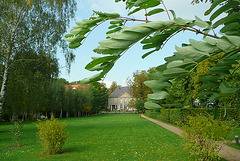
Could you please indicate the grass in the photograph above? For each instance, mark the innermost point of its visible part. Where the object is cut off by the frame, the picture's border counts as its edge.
(234, 145)
(231, 135)
(103, 137)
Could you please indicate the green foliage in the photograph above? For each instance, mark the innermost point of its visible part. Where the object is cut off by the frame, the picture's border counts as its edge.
(139, 105)
(32, 27)
(178, 116)
(52, 135)
(203, 135)
(112, 87)
(16, 131)
(137, 87)
(211, 86)
(29, 84)
(99, 98)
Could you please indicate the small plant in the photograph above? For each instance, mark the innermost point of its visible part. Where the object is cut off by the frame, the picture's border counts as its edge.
(203, 135)
(52, 135)
(16, 130)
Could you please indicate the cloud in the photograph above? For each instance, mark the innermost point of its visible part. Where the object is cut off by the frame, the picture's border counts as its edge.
(123, 83)
(108, 83)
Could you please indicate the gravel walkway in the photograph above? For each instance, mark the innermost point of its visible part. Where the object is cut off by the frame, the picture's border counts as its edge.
(226, 152)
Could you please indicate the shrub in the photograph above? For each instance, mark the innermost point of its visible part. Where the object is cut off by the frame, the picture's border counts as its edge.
(52, 135)
(178, 116)
(203, 135)
(16, 130)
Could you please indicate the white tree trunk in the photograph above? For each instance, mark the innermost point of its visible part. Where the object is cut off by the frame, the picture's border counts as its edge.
(20, 14)
(67, 114)
(61, 114)
(4, 87)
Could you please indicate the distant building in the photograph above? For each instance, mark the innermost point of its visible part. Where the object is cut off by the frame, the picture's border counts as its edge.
(119, 100)
(75, 86)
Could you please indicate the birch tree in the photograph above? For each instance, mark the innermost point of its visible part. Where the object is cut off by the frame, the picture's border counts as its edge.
(32, 26)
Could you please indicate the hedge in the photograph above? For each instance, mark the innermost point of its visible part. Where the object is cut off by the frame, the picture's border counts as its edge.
(178, 116)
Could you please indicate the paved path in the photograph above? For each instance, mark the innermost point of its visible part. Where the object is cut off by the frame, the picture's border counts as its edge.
(228, 153)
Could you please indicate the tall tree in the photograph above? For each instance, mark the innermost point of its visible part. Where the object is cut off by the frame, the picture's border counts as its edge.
(99, 97)
(29, 83)
(32, 26)
(137, 87)
(112, 87)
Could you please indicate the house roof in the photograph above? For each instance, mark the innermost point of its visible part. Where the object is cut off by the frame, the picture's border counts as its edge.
(75, 86)
(119, 91)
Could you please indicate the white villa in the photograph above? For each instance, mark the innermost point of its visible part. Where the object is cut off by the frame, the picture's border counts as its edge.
(119, 99)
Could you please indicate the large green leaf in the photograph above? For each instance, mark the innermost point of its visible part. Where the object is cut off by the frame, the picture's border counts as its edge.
(224, 44)
(151, 105)
(230, 18)
(91, 79)
(180, 63)
(158, 95)
(173, 72)
(209, 78)
(126, 35)
(144, 4)
(134, 11)
(201, 23)
(116, 44)
(226, 90)
(155, 11)
(214, 5)
(224, 8)
(203, 46)
(234, 40)
(157, 85)
(100, 60)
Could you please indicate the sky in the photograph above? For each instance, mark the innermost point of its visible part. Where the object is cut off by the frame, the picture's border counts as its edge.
(131, 61)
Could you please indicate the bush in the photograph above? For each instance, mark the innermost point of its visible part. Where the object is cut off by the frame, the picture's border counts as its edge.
(202, 136)
(52, 135)
(16, 130)
(178, 116)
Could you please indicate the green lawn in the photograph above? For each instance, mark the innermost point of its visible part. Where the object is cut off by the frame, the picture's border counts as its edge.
(102, 137)
(232, 134)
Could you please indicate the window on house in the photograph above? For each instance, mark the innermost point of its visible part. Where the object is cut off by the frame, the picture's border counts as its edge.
(111, 100)
(115, 99)
(125, 100)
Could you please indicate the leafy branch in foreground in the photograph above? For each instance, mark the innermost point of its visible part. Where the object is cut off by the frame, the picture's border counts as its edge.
(154, 35)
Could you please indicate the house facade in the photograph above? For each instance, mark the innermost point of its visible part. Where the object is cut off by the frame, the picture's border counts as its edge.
(119, 100)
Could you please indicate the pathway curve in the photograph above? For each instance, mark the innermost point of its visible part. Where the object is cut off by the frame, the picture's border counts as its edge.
(228, 153)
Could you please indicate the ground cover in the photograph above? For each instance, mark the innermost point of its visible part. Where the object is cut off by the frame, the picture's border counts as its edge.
(103, 137)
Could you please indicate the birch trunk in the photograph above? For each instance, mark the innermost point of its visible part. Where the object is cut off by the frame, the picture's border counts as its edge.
(4, 86)
(61, 114)
(67, 114)
(10, 54)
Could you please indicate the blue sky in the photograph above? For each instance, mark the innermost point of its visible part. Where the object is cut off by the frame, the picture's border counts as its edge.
(132, 60)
